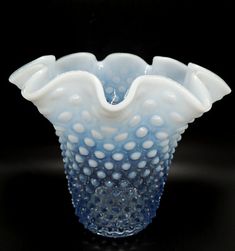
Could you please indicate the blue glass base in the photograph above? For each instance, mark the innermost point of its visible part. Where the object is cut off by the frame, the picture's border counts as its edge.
(117, 209)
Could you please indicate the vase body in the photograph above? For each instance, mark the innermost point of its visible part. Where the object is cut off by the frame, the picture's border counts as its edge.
(118, 121)
(116, 175)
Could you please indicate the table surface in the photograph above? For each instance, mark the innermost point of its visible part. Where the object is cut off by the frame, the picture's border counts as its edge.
(196, 210)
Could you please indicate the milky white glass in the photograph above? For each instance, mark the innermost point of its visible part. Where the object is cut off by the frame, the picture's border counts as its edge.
(118, 123)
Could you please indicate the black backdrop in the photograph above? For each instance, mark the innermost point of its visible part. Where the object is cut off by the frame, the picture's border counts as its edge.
(190, 31)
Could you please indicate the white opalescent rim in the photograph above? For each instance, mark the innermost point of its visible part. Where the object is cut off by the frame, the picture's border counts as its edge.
(200, 86)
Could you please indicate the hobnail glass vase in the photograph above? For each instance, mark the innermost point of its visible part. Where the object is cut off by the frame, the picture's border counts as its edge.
(118, 123)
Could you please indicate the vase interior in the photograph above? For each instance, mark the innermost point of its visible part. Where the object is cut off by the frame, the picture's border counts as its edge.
(118, 71)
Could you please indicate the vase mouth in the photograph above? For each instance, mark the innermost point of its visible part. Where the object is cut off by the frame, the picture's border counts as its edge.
(199, 86)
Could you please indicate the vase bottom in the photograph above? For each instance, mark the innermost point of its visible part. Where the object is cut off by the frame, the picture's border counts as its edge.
(118, 233)
(117, 212)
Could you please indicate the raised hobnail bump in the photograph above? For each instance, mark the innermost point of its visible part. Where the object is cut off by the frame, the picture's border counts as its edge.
(119, 121)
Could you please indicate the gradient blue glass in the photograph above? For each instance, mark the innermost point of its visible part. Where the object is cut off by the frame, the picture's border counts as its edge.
(122, 201)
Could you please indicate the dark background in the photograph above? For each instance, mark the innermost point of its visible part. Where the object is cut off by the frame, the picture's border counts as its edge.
(197, 209)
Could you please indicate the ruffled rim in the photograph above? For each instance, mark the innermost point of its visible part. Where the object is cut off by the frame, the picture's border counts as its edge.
(200, 86)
